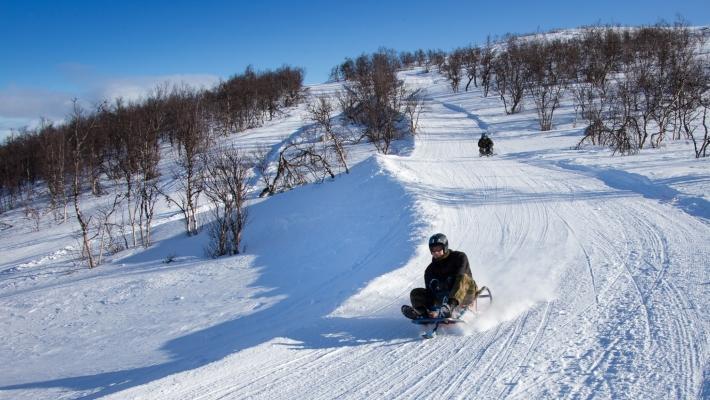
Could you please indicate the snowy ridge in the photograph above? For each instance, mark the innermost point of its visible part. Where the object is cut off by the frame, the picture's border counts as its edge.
(597, 267)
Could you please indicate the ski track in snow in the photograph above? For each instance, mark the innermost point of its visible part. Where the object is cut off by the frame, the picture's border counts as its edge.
(599, 291)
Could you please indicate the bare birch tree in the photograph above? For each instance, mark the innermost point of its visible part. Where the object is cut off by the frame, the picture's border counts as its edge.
(546, 81)
(79, 129)
(320, 112)
(298, 164)
(414, 103)
(486, 68)
(226, 186)
(188, 122)
(452, 69)
(510, 76)
(470, 60)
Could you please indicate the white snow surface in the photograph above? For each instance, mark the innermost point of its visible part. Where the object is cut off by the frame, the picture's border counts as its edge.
(598, 267)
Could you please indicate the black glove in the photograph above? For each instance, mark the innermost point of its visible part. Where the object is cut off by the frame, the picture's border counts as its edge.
(434, 286)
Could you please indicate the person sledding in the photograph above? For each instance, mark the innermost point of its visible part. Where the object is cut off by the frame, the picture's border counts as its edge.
(485, 145)
(448, 283)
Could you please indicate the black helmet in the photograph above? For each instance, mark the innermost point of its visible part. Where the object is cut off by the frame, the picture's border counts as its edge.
(439, 239)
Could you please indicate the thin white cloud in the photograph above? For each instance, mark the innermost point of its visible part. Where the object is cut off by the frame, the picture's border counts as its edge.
(26, 103)
(136, 88)
(8, 126)
(21, 106)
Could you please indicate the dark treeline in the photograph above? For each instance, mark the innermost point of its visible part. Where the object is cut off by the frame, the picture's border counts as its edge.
(350, 70)
(245, 101)
(120, 136)
(119, 144)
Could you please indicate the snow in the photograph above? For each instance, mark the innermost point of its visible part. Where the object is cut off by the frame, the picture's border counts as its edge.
(598, 267)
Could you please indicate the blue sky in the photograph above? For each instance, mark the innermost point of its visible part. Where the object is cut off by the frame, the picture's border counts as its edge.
(53, 51)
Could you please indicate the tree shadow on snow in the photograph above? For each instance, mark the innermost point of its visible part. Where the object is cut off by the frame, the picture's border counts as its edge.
(316, 247)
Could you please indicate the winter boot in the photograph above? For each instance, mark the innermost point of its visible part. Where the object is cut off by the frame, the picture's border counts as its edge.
(411, 312)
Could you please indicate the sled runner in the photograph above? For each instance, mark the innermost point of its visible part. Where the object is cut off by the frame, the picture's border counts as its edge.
(484, 293)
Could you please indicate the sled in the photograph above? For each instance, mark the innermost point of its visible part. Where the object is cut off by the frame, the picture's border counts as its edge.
(446, 321)
(483, 297)
(483, 293)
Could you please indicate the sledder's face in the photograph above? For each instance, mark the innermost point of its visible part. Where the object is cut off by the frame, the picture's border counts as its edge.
(437, 251)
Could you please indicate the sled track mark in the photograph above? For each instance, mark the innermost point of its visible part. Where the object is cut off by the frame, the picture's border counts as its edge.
(686, 357)
(622, 317)
(515, 379)
(663, 353)
(471, 365)
(586, 257)
(500, 359)
(387, 379)
(285, 383)
(229, 390)
(420, 386)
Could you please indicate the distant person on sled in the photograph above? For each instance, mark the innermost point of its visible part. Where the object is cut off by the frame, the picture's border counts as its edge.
(485, 145)
(448, 282)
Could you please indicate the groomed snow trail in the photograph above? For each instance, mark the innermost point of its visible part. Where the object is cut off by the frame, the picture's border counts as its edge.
(595, 289)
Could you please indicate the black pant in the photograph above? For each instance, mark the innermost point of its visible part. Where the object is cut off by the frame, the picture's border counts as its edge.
(465, 292)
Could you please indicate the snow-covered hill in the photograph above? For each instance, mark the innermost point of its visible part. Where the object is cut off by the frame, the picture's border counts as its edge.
(599, 267)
